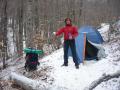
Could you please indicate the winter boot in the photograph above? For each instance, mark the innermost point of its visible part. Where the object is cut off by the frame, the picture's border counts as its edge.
(65, 64)
(77, 66)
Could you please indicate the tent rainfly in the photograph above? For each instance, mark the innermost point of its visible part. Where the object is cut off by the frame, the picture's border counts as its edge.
(88, 44)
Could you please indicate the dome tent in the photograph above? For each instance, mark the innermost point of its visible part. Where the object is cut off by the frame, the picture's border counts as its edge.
(87, 43)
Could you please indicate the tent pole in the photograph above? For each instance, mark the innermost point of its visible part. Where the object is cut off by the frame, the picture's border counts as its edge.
(84, 48)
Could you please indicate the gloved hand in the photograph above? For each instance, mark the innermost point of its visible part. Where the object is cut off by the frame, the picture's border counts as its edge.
(54, 33)
(54, 36)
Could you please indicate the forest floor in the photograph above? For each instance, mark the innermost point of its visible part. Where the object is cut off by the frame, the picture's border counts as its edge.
(68, 78)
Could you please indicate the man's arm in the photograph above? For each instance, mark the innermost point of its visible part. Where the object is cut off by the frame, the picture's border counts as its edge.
(59, 32)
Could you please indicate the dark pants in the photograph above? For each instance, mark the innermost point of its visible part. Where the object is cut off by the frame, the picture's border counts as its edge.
(71, 44)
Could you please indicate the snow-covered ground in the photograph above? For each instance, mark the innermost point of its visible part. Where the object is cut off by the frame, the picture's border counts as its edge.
(57, 77)
(104, 31)
(70, 78)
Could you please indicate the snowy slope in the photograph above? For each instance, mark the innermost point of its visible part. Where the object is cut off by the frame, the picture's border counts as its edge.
(104, 31)
(70, 78)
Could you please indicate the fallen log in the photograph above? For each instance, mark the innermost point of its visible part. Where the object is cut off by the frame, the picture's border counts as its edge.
(104, 78)
(26, 83)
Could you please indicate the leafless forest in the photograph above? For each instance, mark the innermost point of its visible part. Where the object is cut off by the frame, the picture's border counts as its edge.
(33, 21)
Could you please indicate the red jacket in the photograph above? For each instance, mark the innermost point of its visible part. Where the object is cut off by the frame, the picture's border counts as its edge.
(66, 30)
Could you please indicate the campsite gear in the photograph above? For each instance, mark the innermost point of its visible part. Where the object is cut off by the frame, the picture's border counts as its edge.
(31, 61)
(84, 43)
(31, 58)
(30, 50)
(71, 44)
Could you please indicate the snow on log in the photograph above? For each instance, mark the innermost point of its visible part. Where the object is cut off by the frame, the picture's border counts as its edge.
(26, 83)
(102, 79)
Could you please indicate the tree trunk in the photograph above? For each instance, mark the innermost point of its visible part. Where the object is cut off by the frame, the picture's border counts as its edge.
(20, 33)
(102, 79)
(4, 33)
(29, 23)
(26, 83)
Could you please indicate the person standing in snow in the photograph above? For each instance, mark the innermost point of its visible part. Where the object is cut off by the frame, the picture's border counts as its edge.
(70, 33)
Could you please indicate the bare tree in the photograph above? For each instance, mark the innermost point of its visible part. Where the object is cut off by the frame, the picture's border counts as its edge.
(31, 17)
(20, 27)
(4, 31)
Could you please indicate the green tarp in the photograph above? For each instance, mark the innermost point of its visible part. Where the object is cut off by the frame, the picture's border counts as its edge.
(30, 50)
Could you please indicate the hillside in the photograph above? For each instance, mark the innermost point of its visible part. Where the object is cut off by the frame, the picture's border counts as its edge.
(55, 77)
